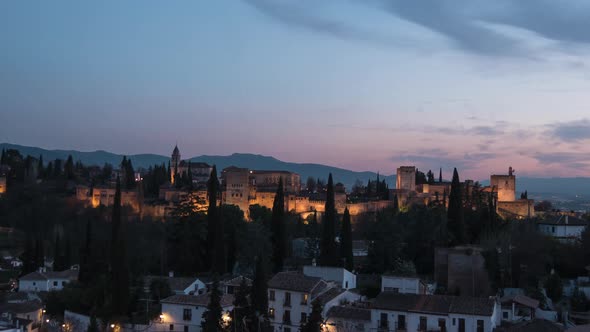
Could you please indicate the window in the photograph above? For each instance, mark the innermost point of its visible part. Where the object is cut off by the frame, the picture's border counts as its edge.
(423, 323)
(171, 327)
(34, 283)
(454, 322)
(55, 283)
(271, 312)
(63, 283)
(303, 318)
(271, 295)
(304, 299)
(505, 314)
(185, 328)
(287, 329)
(383, 321)
(187, 314)
(442, 325)
(553, 229)
(346, 285)
(461, 325)
(287, 317)
(230, 289)
(401, 322)
(287, 299)
(479, 325)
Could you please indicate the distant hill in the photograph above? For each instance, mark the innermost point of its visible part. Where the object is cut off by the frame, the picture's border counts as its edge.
(252, 161)
(561, 186)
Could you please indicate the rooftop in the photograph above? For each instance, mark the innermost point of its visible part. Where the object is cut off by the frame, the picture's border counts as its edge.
(535, 325)
(435, 304)
(175, 283)
(198, 300)
(350, 313)
(67, 274)
(21, 307)
(521, 299)
(564, 220)
(294, 281)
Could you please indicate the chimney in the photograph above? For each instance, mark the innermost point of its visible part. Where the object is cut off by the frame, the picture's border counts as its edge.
(171, 274)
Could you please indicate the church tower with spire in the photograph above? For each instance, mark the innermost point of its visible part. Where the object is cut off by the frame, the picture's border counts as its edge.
(174, 163)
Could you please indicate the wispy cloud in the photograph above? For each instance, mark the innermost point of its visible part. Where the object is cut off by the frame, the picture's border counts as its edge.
(571, 131)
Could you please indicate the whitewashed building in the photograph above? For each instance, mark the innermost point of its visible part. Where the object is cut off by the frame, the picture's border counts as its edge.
(344, 278)
(45, 281)
(179, 285)
(348, 318)
(290, 297)
(185, 312)
(563, 228)
(403, 285)
(412, 312)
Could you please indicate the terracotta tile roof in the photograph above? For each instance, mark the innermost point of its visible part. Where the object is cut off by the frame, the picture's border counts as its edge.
(294, 281)
(198, 300)
(535, 325)
(350, 313)
(435, 304)
(21, 307)
(237, 281)
(177, 284)
(521, 299)
(561, 221)
(67, 274)
(329, 295)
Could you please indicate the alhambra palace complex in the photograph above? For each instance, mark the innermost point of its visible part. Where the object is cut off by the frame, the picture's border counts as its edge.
(245, 187)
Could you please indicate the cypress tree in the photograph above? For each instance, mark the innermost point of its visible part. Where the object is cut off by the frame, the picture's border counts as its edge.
(259, 292)
(190, 176)
(57, 256)
(40, 170)
(212, 316)
(455, 213)
(3, 157)
(315, 320)
(395, 204)
(93, 326)
(67, 256)
(328, 252)
(57, 171)
(241, 307)
(28, 256)
(69, 168)
(440, 175)
(119, 270)
(346, 241)
(170, 179)
(277, 226)
(39, 260)
(86, 263)
(215, 243)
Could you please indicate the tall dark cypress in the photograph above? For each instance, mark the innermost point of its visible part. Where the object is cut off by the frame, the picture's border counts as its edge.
(57, 254)
(86, 262)
(455, 213)
(328, 252)
(215, 243)
(189, 176)
(259, 290)
(40, 169)
(277, 226)
(39, 253)
(395, 204)
(211, 320)
(119, 270)
(346, 241)
(3, 157)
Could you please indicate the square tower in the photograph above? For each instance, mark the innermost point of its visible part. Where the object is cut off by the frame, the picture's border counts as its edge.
(406, 178)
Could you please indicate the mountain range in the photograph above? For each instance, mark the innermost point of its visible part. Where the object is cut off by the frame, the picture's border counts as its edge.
(579, 186)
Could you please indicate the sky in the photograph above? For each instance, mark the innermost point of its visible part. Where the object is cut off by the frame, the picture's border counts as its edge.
(359, 84)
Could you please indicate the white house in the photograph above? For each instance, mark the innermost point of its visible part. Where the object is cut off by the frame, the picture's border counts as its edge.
(185, 312)
(290, 297)
(518, 307)
(180, 286)
(27, 310)
(412, 312)
(563, 228)
(344, 278)
(403, 285)
(231, 286)
(348, 318)
(45, 281)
